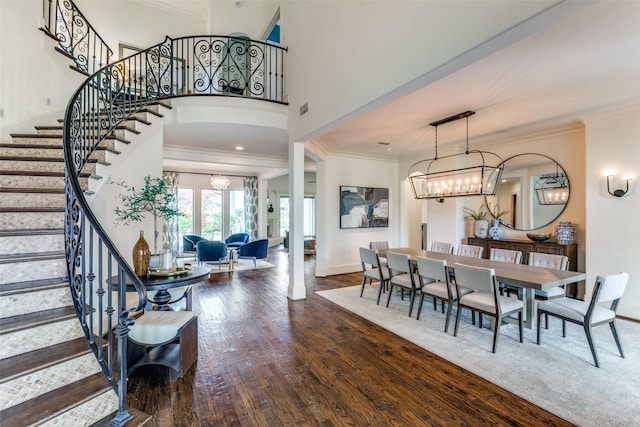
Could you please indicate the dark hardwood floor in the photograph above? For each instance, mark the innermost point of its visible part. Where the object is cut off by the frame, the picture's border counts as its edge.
(267, 361)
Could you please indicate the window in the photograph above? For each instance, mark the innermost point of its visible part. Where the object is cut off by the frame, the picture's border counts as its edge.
(211, 214)
(236, 211)
(284, 215)
(309, 225)
(185, 206)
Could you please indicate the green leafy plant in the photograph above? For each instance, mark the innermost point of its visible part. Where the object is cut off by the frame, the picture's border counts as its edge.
(496, 213)
(155, 197)
(475, 215)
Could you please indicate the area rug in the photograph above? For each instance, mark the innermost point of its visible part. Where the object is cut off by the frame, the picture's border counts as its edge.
(240, 265)
(558, 375)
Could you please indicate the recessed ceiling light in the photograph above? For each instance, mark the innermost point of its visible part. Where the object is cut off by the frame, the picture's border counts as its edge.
(239, 147)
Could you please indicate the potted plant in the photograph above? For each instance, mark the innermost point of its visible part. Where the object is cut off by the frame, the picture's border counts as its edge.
(156, 198)
(481, 223)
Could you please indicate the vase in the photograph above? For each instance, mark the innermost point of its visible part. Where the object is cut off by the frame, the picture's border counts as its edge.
(480, 228)
(166, 255)
(565, 233)
(141, 255)
(494, 231)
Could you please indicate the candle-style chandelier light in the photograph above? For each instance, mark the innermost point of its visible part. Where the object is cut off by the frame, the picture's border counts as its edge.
(472, 173)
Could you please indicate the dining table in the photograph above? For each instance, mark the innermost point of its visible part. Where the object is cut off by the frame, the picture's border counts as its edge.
(527, 278)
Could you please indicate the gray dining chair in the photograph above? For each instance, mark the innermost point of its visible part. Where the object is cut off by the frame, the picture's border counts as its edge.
(471, 251)
(401, 275)
(589, 314)
(434, 282)
(505, 255)
(442, 247)
(373, 271)
(558, 262)
(380, 244)
(485, 298)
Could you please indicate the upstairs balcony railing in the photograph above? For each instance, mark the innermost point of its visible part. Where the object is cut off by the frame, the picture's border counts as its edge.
(202, 65)
(76, 37)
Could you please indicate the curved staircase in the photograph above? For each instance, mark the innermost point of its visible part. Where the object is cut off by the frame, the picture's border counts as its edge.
(48, 373)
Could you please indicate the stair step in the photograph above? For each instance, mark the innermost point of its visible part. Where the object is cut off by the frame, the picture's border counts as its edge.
(24, 363)
(26, 257)
(39, 336)
(32, 190)
(36, 139)
(31, 232)
(42, 182)
(42, 151)
(42, 173)
(30, 209)
(26, 268)
(33, 285)
(31, 243)
(55, 402)
(30, 320)
(31, 165)
(45, 199)
(49, 130)
(25, 220)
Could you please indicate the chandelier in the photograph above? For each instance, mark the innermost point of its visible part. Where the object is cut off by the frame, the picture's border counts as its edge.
(219, 182)
(552, 189)
(472, 173)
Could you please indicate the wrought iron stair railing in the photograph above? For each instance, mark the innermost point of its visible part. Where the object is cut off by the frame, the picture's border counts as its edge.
(201, 65)
(76, 36)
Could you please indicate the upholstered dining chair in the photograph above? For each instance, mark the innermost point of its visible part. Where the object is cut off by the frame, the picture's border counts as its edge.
(505, 255)
(485, 298)
(373, 271)
(401, 275)
(236, 240)
(434, 282)
(442, 247)
(589, 314)
(470, 250)
(380, 244)
(211, 250)
(558, 262)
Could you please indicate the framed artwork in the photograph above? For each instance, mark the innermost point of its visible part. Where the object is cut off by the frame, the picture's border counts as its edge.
(364, 207)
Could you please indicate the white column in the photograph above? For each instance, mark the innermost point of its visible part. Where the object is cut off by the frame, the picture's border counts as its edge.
(296, 289)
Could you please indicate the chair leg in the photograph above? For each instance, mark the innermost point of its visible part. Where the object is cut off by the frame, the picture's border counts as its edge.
(435, 304)
(382, 285)
(538, 326)
(496, 331)
(480, 320)
(587, 331)
(390, 292)
(455, 327)
(564, 328)
(520, 325)
(364, 282)
(412, 297)
(615, 337)
(446, 322)
(420, 306)
(546, 321)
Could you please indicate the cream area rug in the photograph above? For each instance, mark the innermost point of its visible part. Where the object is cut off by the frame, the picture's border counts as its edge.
(240, 265)
(558, 375)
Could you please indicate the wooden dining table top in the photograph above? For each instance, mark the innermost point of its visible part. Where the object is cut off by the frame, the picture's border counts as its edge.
(521, 275)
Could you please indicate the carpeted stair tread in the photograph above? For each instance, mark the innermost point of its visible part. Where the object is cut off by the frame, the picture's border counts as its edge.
(23, 321)
(31, 232)
(44, 173)
(33, 285)
(30, 209)
(54, 402)
(41, 159)
(32, 256)
(24, 363)
(32, 190)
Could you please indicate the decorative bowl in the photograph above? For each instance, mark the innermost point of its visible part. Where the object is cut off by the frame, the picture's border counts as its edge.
(539, 237)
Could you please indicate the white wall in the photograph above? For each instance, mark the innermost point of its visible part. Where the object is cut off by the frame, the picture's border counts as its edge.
(354, 56)
(613, 144)
(339, 247)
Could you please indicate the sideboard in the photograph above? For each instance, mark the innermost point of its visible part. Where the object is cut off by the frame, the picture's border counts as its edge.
(527, 246)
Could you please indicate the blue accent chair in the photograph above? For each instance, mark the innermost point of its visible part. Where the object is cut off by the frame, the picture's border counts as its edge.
(189, 242)
(236, 240)
(211, 250)
(255, 250)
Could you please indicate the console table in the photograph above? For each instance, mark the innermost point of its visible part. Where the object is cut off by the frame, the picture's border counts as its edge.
(526, 246)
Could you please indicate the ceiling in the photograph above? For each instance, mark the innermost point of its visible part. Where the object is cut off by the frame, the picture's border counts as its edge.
(551, 79)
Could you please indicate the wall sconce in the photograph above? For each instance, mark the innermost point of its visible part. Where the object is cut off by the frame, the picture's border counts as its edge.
(619, 192)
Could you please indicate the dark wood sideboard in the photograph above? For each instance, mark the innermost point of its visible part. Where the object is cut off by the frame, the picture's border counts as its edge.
(527, 246)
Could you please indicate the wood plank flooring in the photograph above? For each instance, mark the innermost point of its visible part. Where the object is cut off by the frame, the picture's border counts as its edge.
(267, 361)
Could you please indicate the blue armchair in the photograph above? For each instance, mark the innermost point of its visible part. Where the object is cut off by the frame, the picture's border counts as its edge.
(255, 250)
(189, 242)
(211, 250)
(236, 240)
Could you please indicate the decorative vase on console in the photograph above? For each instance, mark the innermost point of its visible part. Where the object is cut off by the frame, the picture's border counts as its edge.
(166, 256)
(480, 228)
(141, 255)
(494, 231)
(565, 233)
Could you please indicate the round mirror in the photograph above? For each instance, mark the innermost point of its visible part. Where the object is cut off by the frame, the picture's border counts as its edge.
(533, 192)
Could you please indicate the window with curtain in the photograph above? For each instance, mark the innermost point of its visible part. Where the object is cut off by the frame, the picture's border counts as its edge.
(211, 214)
(185, 206)
(236, 211)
